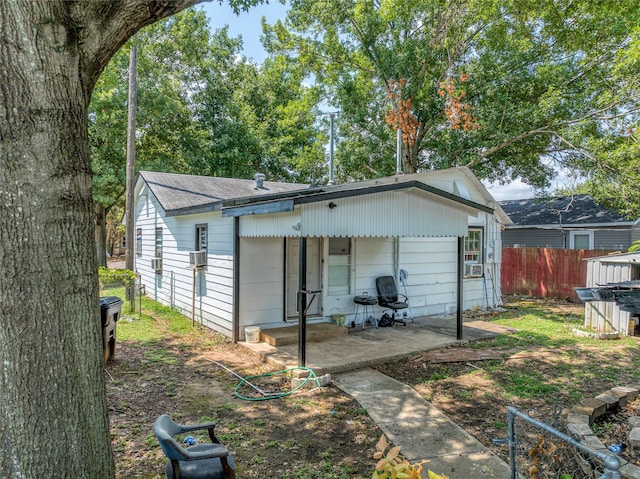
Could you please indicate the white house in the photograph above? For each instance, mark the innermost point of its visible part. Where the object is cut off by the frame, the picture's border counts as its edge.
(442, 227)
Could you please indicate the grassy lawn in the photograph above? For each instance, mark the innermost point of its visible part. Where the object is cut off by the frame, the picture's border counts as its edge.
(543, 367)
(164, 365)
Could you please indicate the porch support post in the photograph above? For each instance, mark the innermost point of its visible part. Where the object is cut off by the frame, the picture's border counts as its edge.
(302, 303)
(396, 259)
(284, 280)
(235, 321)
(459, 296)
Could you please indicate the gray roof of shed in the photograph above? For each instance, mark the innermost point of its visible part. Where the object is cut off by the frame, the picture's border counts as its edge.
(577, 210)
(188, 194)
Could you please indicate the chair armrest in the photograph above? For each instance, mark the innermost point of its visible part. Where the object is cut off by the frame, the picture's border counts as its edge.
(405, 298)
(209, 426)
(211, 452)
(197, 427)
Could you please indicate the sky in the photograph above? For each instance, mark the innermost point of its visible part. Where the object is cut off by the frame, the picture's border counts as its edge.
(248, 25)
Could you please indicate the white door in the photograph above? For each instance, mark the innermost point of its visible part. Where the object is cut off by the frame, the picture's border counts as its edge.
(314, 281)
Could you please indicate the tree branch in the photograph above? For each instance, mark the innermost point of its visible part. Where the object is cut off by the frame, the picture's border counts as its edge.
(483, 155)
(549, 130)
(572, 146)
(105, 26)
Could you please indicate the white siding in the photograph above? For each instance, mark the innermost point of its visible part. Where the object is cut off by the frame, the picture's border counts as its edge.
(410, 214)
(388, 214)
(432, 281)
(261, 282)
(428, 252)
(175, 285)
(271, 225)
(606, 316)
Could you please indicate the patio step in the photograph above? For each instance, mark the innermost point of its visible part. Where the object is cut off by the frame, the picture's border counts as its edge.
(289, 334)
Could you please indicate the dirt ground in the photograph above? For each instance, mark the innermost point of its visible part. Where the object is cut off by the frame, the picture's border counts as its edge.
(320, 433)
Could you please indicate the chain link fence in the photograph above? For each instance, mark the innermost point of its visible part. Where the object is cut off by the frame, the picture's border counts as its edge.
(538, 450)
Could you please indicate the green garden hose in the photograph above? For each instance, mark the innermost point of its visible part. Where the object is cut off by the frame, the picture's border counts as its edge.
(267, 396)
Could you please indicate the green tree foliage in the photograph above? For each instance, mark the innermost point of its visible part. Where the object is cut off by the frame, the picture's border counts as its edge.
(496, 85)
(203, 109)
(260, 118)
(171, 60)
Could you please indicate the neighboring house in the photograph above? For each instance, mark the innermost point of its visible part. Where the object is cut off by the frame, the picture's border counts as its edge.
(243, 241)
(573, 222)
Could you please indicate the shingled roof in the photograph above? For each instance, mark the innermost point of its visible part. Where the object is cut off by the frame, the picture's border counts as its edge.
(577, 210)
(179, 194)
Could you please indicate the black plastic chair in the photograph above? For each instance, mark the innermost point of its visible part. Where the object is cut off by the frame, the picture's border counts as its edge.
(200, 461)
(388, 297)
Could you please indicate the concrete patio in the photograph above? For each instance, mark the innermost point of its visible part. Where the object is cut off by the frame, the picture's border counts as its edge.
(362, 348)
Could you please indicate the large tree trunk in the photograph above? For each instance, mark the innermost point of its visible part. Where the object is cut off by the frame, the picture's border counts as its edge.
(53, 409)
(52, 401)
(409, 158)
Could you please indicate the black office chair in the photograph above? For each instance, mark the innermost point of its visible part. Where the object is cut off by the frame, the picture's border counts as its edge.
(388, 297)
(201, 461)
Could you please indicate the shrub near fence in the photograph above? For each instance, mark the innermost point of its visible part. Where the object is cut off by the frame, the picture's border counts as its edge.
(545, 272)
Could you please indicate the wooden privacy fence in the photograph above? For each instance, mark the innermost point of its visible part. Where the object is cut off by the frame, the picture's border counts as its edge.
(545, 272)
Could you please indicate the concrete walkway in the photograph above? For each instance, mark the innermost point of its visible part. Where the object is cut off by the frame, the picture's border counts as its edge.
(422, 431)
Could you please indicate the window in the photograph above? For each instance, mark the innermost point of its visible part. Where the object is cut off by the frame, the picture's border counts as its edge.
(473, 246)
(156, 262)
(581, 239)
(202, 237)
(339, 266)
(139, 242)
(159, 243)
(473, 254)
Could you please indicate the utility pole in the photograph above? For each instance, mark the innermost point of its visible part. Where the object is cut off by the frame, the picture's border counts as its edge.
(131, 170)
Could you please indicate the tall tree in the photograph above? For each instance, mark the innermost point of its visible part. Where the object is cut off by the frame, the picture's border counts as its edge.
(173, 57)
(261, 119)
(53, 410)
(496, 85)
(202, 109)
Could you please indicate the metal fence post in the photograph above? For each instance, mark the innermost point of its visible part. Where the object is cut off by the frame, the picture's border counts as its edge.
(609, 463)
(512, 441)
(612, 468)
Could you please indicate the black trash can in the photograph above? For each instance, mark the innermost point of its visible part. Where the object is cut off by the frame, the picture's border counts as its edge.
(110, 307)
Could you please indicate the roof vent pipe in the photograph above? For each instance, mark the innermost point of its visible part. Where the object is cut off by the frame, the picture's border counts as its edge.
(259, 181)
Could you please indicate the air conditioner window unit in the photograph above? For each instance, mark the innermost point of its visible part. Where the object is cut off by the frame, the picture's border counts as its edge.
(198, 259)
(473, 270)
(156, 265)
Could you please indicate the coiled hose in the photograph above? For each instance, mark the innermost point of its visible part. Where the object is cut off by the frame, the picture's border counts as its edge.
(267, 396)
